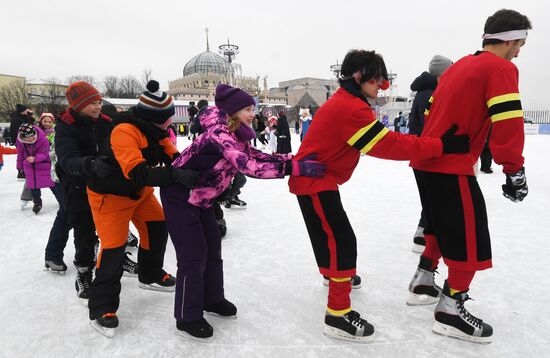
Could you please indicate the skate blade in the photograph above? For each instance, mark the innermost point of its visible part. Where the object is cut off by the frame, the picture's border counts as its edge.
(129, 274)
(214, 314)
(83, 301)
(107, 332)
(48, 269)
(196, 339)
(415, 299)
(235, 207)
(418, 249)
(335, 333)
(449, 331)
(153, 287)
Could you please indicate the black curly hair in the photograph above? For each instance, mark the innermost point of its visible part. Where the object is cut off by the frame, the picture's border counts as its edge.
(504, 20)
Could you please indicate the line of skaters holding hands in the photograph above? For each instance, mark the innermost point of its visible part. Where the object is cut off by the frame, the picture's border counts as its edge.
(107, 171)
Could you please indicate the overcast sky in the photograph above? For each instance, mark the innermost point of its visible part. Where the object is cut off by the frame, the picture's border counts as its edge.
(280, 39)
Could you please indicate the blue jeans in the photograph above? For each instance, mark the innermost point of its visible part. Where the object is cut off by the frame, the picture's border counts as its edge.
(59, 234)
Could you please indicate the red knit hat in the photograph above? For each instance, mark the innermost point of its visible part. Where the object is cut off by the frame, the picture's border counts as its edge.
(80, 94)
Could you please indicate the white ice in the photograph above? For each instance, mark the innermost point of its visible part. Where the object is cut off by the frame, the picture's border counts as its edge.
(271, 275)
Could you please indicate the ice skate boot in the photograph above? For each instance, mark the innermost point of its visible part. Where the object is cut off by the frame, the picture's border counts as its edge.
(223, 309)
(349, 327)
(37, 206)
(235, 203)
(105, 324)
(24, 204)
(129, 267)
(166, 284)
(56, 266)
(199, 330)
(132, 240)
(419, 242)
(453, 319)
(83, 282)
(422, 289)
(355, 281)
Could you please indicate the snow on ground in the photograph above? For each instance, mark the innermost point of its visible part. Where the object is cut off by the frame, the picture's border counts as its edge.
(270, 274)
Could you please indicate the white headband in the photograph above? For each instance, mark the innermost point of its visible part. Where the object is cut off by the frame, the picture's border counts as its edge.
(506, 35)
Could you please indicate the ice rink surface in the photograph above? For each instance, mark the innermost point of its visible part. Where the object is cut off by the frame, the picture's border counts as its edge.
(271, 276)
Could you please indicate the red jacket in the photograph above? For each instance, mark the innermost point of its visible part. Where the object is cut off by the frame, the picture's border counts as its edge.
(476, 91)
(342, 128)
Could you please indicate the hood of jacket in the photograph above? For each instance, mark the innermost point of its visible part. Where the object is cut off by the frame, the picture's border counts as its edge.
(212, 116)
(423, 82)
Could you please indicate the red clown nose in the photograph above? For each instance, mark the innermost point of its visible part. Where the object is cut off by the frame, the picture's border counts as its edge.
(385, 85)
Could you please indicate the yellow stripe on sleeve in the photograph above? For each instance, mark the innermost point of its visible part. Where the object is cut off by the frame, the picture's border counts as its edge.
(361, 132)
(503, 98)
(506, 115)
(375, 140)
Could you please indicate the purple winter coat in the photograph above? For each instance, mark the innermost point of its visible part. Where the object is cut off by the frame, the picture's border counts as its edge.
(38, 173)
(219, 155)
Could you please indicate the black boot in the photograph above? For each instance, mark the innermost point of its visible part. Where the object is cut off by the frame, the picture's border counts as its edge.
(37, 206)
(200, 329)
(224, 309)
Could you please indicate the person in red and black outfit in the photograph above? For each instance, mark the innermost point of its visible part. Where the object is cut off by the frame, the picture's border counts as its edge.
(479, 91)
(363, 73)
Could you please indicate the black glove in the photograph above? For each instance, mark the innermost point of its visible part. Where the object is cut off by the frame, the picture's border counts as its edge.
(186, 177)
(455, 143)
(515, 188)
(20, 174)
(101, 167)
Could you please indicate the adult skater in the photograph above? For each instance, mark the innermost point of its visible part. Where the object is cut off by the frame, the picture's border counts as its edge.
(357, 131)
(479, 90)
(219, 153)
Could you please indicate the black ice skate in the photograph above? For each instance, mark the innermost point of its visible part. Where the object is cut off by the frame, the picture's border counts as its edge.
(349, 327)
(37, 206)
(129, 267)
(452, 319)
(235, 203)
(166, 284)
(200, 330)
(105, 324)
(56, 266)
(223, 309)
(422, 289)
(419, 242)
(132, 240)
(83, 282)
(355, 281)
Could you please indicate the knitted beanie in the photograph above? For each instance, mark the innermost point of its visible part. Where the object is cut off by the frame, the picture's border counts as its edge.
(438, 65)
(20, 107)
(80, 94)
(154, 105)
(232, 99)
(27, 133)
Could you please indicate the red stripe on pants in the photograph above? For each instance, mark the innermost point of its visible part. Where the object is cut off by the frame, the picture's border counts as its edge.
(331, 241)
(469, 218)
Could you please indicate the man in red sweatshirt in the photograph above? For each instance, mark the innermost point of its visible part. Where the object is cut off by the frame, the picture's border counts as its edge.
(478, 92)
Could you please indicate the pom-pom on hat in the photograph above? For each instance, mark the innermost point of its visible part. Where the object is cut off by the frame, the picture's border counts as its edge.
(438, 65)
(232, 99)
(27, 133)
(154, 105)
(80, 94)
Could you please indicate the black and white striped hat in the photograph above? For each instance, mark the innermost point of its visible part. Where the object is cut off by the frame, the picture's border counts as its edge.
(154, 105)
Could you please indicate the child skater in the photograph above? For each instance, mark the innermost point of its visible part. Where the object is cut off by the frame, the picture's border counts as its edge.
(219, 153)
(33, 156)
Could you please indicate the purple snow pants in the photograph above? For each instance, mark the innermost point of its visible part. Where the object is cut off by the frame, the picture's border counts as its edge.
(197, 240)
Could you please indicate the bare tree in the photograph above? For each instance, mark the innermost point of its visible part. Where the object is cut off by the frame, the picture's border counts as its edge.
(111, 87)
(50, 97)
(11, 94)
(130, 87)
(146, 76)
(86, 78)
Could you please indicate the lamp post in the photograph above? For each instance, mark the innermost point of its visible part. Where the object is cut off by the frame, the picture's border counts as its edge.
(229, 52)
(336, 69)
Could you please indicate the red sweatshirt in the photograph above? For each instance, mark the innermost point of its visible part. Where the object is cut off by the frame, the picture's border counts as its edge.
(342, 128)
(476, 91)
(6, 150)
